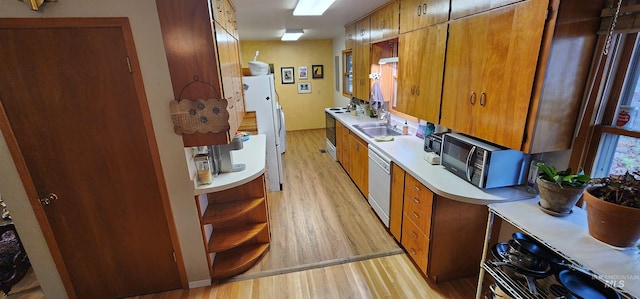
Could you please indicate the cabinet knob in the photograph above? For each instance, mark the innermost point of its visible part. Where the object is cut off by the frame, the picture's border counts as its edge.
(472, 98)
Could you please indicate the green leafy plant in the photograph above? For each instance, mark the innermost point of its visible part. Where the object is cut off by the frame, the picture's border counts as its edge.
(563, 178)
(619, 189)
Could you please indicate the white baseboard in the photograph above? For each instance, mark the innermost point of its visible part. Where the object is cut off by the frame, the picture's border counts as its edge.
(199, 284)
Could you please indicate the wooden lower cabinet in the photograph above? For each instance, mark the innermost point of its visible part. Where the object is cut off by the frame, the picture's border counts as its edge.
(397, 201)
(352, 152)
(235, 227)
(342, 145)
(443, 237)
(359, 157)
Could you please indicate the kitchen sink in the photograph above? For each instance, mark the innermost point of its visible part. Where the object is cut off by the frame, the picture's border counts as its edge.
(374, 130)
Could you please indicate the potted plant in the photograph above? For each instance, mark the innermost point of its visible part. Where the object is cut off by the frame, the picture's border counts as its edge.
(613, 209)
(559, 190)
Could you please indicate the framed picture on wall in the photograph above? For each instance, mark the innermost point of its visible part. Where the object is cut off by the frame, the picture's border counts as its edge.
(302, 72)
(317, 71)
(287, 75)
(304, 87)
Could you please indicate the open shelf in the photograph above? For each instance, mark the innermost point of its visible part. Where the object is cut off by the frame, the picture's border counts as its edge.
(232, 262)
(217, 213)
(230, 237)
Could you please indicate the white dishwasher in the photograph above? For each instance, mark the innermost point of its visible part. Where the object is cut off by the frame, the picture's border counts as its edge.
(380, 184)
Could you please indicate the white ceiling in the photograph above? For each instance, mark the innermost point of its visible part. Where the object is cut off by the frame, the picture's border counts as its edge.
(268, 19)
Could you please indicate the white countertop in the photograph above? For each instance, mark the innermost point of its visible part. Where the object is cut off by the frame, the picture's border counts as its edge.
(570, 237)
(252, 154)
(407, 151)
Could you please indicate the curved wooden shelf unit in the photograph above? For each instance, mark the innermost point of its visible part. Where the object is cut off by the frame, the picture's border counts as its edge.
(227, 238)
(226, 211)
(235, 227)
(233, 262)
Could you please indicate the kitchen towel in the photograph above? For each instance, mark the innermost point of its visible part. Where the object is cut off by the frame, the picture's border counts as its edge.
(376, 100)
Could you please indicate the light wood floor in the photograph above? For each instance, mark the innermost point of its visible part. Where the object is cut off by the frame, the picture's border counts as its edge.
(326, 241)
(319, 218)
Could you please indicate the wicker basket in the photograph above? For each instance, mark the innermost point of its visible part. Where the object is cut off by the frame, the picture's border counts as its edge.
(199, 116)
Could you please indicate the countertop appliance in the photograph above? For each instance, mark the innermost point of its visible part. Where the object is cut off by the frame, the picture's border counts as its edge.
(260, 96)
(380, 184)
(482, 164)
(432, 148)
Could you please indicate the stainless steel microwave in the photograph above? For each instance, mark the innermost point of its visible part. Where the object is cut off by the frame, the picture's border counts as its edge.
(483, 164)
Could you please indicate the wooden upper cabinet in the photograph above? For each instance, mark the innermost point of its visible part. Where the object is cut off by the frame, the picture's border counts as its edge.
(363, 31)
(219, 11)
(461, 8)
(385, 22)
(350, 36)
(420, 74)
(416, 14)
(490, 70)
(202, 54)
(362, 69)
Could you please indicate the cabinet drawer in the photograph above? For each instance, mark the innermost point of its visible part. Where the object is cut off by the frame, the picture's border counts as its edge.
(416, 244)
(421, 219)
(418, 195)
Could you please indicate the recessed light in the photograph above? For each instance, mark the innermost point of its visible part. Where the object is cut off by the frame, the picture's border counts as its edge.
(311, 7)
(292, 34)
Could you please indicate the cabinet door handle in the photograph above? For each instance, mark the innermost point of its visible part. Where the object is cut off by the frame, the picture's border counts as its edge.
(414, 214)
(418, 90)
(472, 98)
(414, 235)
(424, 8)
(419, 10)
(483, 99)
(413, 252)
(412, 86)
(416, 187)
(416, 200)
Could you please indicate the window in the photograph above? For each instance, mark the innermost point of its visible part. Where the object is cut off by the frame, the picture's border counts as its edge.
(610, 144)
(347, 73)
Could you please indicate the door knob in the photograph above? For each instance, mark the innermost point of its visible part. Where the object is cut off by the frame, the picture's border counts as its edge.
(47, 200)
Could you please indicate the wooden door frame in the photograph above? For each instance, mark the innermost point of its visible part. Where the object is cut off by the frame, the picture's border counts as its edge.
(12, 143)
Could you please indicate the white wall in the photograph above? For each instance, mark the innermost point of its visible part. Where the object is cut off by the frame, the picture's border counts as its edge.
(338, 45)
(145, 25)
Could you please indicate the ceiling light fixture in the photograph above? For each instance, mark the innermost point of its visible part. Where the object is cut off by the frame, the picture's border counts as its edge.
(292, 34)
(311, 7)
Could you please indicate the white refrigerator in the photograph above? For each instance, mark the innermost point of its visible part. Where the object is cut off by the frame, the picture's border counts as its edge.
(260, 96)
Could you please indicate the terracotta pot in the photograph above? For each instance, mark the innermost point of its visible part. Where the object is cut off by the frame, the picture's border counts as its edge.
(556, 198)
(613, 224)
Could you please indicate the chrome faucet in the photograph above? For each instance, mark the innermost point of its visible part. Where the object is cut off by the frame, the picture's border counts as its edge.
(386, 115)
